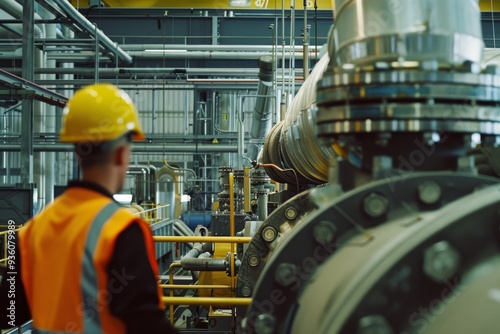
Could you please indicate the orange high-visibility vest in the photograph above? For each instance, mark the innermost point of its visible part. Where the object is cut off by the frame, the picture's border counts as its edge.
(64, 253)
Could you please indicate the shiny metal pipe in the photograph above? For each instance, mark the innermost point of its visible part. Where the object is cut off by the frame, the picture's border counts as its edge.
(369, 31)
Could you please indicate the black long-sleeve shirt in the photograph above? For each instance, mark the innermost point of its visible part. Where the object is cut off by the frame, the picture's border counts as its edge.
(134, 300)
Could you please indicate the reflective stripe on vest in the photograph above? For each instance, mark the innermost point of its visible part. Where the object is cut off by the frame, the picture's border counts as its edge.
(41, 331)
(91, 320)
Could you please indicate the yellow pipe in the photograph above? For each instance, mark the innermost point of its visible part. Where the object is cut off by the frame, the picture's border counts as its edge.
(188, 287)
(216, 301)
(247, 189)
(176, 264)
(231, 230)
(238, 240)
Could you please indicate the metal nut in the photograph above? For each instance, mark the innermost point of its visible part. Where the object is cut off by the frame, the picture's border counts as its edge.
(253, 260)
(269, 233)
(429, 192)
(324, 232)
(375, 205)
(246, 291)
(285, 274)
(291, 213)
(441, 261)
(265, 324)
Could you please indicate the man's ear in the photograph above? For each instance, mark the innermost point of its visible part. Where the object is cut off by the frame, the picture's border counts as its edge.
(121, 156)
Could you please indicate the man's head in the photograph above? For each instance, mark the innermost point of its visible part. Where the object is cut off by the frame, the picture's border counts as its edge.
(101, 120)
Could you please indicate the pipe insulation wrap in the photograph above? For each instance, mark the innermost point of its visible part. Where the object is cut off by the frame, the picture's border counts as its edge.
(293, 142)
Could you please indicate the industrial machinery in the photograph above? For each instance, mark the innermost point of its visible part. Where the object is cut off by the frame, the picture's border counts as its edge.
(385, 224)
(404, 238)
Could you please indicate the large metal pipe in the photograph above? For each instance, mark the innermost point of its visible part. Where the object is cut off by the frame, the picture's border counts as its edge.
(262, 115)
(292, 143)
(137, 148)
(368, 31)
(87, 26)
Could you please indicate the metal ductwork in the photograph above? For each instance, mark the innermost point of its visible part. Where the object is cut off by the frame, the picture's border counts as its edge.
(292, 143)
(262, 115)
(110, 46)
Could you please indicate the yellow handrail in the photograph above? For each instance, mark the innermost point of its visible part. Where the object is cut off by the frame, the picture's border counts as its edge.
(241, 240)
(217, 301)
(5, 234)
(195, 287)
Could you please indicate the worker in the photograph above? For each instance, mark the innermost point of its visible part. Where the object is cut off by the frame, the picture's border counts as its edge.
(85, 264)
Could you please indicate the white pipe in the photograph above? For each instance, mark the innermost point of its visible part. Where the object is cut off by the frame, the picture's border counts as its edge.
(15, 11)
(81, 21)
(211, 54)
(202, 47)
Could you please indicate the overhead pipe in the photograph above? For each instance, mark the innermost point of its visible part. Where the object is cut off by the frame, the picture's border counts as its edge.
(213, 54)
(88, 27)
(15, 11)
(262, 115)
(203, 47)
(145, 70)
(137, 148)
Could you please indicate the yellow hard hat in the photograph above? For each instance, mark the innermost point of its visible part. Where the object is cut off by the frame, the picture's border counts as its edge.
(99, 113)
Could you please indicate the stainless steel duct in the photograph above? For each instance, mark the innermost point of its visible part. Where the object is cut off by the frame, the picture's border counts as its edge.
(262, 115)
(293, 144)
(367, 31)
(87, 26)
